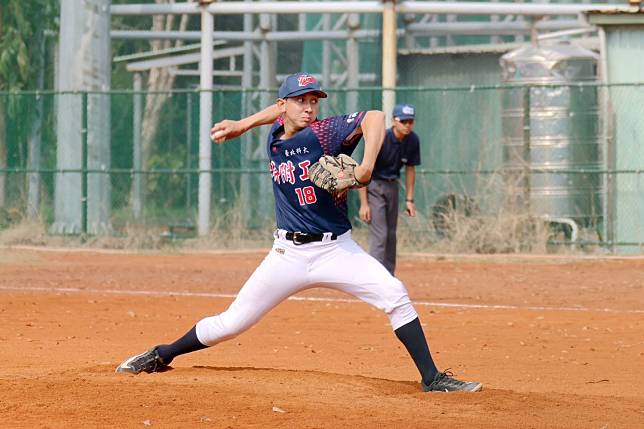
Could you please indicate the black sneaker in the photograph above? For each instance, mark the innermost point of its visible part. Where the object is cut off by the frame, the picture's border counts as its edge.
(148, 361)
(445, 382)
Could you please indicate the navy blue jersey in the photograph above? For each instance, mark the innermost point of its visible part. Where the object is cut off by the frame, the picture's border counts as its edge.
(299, 204)
(394, 154)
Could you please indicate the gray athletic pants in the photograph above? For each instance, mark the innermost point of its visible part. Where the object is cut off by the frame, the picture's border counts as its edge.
(383, 202)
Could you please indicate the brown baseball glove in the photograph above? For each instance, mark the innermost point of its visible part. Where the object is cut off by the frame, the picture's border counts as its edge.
(335, 174)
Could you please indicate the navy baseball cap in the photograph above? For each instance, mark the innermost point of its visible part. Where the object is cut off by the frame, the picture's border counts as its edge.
(298, 84)
(404, 111)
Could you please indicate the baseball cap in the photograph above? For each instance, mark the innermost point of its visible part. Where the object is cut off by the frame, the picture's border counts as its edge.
(404, 111)
(298, 84)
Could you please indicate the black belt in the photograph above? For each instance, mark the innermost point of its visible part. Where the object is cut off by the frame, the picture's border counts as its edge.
(386, 180)
(305, 237)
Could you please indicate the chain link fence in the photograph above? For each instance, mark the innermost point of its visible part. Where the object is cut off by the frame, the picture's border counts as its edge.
(481, 187)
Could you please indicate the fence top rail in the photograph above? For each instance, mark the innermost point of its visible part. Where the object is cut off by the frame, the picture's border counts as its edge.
(471, 88)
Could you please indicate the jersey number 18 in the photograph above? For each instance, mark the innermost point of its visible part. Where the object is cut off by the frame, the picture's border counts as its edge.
(306, 195)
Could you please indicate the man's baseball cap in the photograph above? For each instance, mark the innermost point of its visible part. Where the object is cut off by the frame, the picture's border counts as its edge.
(404, 111)
(298, 84)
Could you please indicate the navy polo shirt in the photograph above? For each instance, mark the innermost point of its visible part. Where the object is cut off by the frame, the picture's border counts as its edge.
(394, 154)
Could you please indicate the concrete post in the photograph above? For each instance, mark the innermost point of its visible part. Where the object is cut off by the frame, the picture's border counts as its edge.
(353, 63)
(84, 56)
(205, 122)
(389, 58)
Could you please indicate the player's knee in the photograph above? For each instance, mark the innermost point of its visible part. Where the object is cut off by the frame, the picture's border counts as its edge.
(222, 327)
(397, 302)
(234, 323)
(402, 315)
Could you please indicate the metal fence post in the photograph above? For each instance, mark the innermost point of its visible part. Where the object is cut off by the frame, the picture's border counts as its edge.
(84, 163)
(137, 150)
(527, 167)
(188, 151)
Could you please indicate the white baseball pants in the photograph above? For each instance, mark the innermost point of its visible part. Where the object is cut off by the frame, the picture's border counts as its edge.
(337, 264)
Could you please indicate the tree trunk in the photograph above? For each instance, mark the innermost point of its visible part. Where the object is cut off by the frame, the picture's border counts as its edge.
(159, 79)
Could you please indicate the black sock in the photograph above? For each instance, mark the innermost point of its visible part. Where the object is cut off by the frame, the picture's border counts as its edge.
(412, 336)
(186, 344)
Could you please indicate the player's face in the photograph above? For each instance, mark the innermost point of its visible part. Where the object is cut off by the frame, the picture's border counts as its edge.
(300, 111)
(404, 126)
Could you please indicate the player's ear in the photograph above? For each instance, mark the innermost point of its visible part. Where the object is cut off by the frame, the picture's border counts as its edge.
(281, 104)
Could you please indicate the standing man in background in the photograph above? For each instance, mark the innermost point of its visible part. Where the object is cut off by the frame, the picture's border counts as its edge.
(379, 202)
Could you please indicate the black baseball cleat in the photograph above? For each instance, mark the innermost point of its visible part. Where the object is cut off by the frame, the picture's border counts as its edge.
(148, 361)
(445, 382)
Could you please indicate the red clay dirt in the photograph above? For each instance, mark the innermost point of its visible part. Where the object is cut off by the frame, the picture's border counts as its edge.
(556, 342)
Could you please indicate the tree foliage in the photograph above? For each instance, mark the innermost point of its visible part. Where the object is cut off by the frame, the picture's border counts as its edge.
(21, 25)
(22, 30)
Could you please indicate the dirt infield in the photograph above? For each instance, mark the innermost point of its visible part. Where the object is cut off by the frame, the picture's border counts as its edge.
(556, 342)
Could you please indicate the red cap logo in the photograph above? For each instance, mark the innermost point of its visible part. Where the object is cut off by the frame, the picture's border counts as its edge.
(305, 80)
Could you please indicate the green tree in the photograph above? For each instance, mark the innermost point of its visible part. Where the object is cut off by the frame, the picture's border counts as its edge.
(22, 25)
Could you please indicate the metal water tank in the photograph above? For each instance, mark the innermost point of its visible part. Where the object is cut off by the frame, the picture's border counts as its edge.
(551, 123)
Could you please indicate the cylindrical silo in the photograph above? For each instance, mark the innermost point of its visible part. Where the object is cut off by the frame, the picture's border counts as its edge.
(552, 124)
